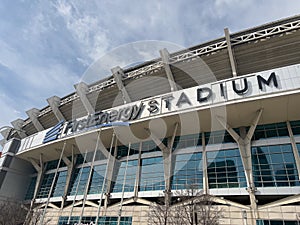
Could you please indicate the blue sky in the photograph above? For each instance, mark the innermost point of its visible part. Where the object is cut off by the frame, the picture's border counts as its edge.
(46, 45)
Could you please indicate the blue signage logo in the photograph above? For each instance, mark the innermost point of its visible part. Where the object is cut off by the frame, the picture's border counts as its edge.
(53, 134)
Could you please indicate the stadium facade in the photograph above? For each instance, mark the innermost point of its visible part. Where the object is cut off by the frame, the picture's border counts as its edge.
(223, 116)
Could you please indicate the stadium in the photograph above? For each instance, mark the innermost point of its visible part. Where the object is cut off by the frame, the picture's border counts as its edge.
(222, 116)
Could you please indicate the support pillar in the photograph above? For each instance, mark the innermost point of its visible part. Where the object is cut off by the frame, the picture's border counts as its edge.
(204, 166)
(230, 53)
(54, 103)
(244, 143)
(33, 115)
(82, 90)
(118, 74)
(17, 124)
(70, 165)
(165, 56)
(138, 172)
(167, 156)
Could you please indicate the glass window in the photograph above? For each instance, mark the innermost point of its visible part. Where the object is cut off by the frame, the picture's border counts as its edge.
(185, 141)
(105, 220)
(123, 150)
(118, 179)
(60, 184)
(276, 222)
(45, 185)
(274, 166)
(30, 190)
(187, 171)
(225, 169)
(53, 164)
(79, 181)
(270, 131)
(217, 137)
(97, 180)
(150, 146)
(152, 174)
(295, 127)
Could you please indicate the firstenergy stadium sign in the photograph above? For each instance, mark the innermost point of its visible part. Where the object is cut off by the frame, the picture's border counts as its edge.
(196, 97)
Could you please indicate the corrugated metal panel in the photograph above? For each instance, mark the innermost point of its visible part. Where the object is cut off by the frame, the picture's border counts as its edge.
(266, 54)
(148, 86)
(73, 110)
(48, 120)
(30, 129)
(108, 98)
(202, 70)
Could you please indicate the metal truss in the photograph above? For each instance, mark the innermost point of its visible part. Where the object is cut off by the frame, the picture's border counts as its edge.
(236, 39)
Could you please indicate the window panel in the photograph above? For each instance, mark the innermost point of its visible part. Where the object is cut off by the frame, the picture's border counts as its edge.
(45, 185)
(274, 166)
(81, 180)
(97, 179)
(118, 178)
(60, 184)
(152, 174)
(187, 171)
(225, 169)
(30, 190)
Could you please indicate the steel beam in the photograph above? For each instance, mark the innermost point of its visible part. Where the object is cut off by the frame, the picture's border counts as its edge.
(230, 53)
(82, 89)
(54, 103)
(33, 115)
(165, 57)
(119, 75)
(283, 201)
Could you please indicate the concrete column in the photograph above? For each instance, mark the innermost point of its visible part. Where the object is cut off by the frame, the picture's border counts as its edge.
(204, 166)
(244, 143)
(167, 156)
(33, 115)
(138, 172)
(39, 167)
(230, 53)
(54, 103)
(165, 56)
(17, 124)
(82, 91)
(70, 166)
(119, 75)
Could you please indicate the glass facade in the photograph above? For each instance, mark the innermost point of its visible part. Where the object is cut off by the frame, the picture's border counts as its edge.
(104, 220)
(274, 130)
(295, 127)
(97, 179)
(118, 179)
(79, 179)
(187, 171)
(150, 146)
(30, 190)
(152, 174)
(186, 141)
(217, 137)
(45, 185)
(123, 150)
(274, 166)
(276, 222)
(225, 169)
(59, 187)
